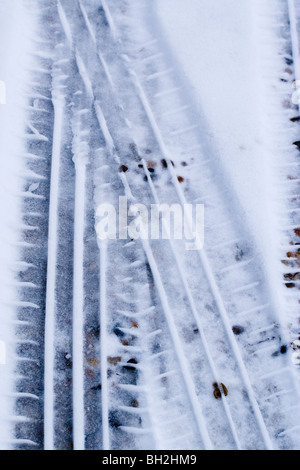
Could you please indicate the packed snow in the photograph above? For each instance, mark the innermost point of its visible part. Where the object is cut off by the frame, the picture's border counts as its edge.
(140, 343)
(15, 48)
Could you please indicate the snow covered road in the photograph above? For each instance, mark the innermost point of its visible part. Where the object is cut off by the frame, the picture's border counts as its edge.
(137, 343)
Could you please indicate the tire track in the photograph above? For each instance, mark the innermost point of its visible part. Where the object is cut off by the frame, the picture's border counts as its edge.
(110, 145)
(139, 331)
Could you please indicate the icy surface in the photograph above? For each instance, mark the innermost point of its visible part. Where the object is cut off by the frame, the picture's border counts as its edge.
(217, 50)
(127, 344)
(235, 62)
(15, 25)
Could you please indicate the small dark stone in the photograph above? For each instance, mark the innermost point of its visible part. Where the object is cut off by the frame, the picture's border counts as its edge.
(289, 285)
(151, 170)
(237, 330)
(283, 349)
(118, 332)
(123, 168)
(165, 164)
(97, 387)
(131, 361)
(297, 143)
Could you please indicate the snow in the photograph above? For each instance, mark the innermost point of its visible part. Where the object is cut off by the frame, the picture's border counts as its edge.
(14, 66)
(196, 85)
(58, 103)
(231, 61)
(216, 49)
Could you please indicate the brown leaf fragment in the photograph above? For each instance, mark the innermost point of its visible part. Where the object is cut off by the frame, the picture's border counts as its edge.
(225, 390)
(93, 362)
(291, 276)
(217, 391)
(123, 168)
(114, 360)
